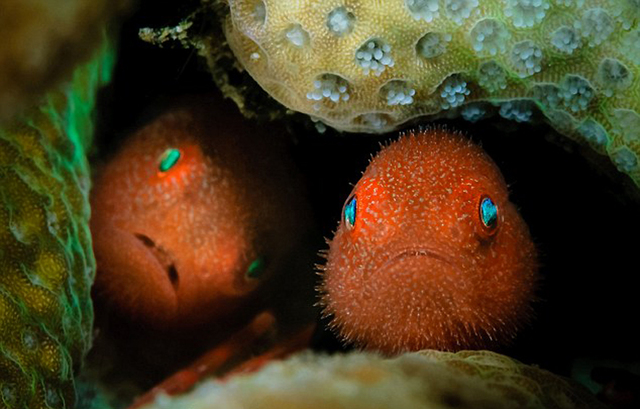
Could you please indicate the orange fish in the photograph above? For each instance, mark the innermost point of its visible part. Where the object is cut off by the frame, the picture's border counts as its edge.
(429, 253)
(195, 213)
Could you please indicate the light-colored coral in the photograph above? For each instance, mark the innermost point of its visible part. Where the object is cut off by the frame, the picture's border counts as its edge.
(423, 380)
(575, 61)
(43, 40)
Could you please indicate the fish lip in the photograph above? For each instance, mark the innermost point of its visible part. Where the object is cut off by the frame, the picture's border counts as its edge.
(162, 257)
(152, 300)
(418, 251)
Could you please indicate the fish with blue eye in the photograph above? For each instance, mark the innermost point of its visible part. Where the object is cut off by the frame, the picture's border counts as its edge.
(430, 252)
(193, 217)
(350, 210)
(200, 231)
(488, 213)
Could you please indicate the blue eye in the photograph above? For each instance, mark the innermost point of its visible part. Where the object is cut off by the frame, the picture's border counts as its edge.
(256, 268)
(350, 210)
(168, 159)
(488, 213)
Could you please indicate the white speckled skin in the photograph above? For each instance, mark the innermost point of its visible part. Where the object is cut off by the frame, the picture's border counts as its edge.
(370, 66)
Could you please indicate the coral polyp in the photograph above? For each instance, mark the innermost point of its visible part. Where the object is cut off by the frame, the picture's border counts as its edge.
(451, 54)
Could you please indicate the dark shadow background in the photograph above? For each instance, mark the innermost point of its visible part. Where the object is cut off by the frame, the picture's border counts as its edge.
(584, 221)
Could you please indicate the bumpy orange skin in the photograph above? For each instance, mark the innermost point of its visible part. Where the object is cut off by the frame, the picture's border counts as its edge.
(418, 269)
(173, 248)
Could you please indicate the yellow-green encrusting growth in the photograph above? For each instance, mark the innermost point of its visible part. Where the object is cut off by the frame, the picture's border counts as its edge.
(46, 260)
(370, 66)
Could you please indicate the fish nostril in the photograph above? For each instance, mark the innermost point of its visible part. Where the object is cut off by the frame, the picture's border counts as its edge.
(145, 240)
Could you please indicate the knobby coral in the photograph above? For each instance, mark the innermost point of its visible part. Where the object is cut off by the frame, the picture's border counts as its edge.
(426, 379)
(47, 265)
(370, 66)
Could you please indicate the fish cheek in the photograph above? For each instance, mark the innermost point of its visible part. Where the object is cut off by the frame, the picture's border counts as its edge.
(479, 211)
(368, 222)
(225, 262)
(463, 233)
(514, 241)
(504, 250)
(374, 214)
(344, 277)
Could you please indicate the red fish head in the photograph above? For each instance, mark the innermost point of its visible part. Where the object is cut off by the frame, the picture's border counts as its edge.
(181, 222)
(430, 253)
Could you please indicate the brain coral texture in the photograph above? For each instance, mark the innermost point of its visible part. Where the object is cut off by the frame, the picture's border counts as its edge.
(47, 264)
(370, 66)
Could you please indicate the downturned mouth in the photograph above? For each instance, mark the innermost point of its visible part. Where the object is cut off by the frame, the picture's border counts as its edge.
(416, 252)
(164, 258)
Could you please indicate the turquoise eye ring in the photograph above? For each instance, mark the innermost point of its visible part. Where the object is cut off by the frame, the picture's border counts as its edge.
(168, 159)
(350, 211)
(488, 213)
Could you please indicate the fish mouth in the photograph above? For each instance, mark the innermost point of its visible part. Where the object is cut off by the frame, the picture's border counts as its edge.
(408, 253)
(162, 256)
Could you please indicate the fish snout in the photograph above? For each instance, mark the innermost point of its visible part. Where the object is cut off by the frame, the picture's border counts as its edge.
(128, 263)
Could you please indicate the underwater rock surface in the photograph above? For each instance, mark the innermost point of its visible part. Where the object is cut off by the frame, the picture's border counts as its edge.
(427, 379)
(371, 66)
